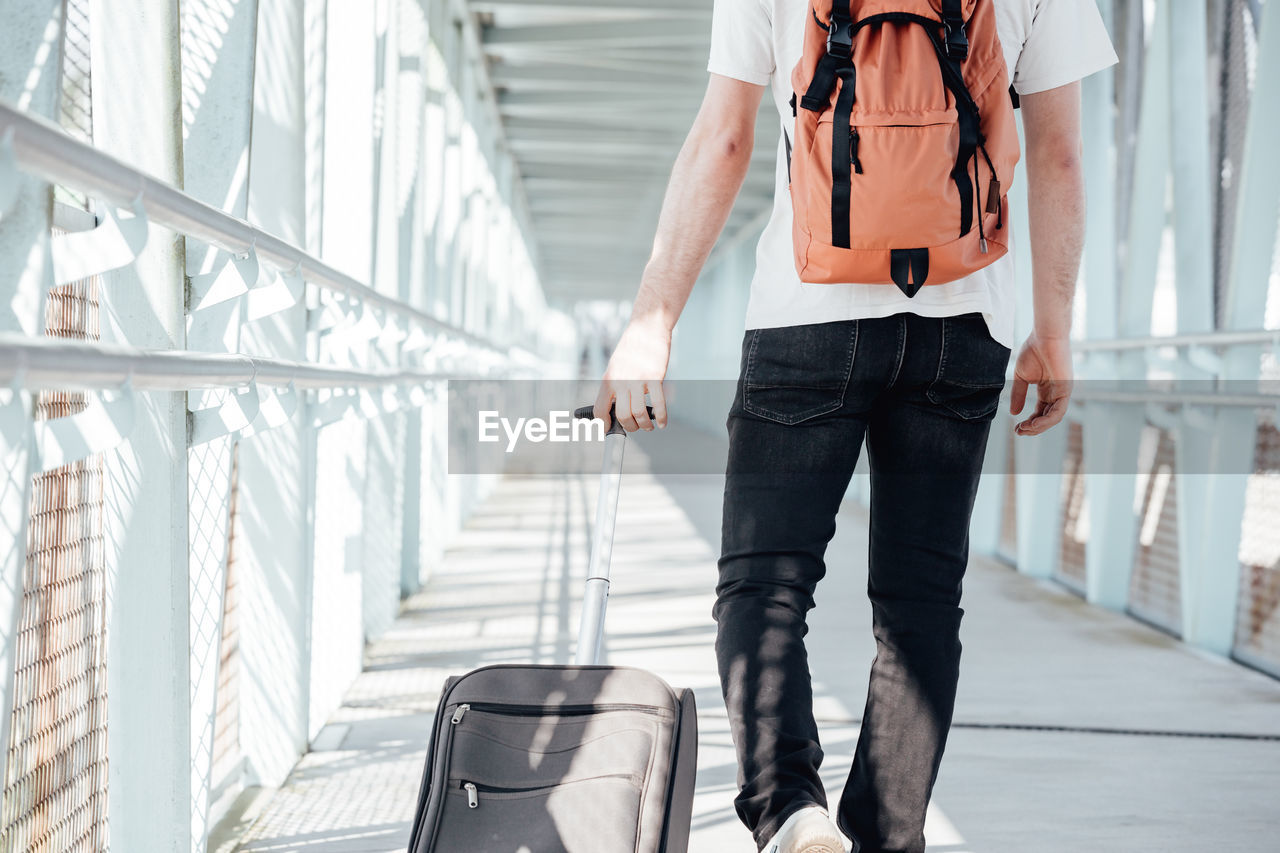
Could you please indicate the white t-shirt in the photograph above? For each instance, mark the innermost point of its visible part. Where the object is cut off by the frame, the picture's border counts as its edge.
(1047, 43)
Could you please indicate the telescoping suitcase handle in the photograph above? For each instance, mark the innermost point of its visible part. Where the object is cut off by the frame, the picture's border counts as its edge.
(591, 628)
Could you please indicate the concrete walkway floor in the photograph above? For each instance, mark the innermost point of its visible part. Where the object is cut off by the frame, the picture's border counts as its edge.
(1077, 729)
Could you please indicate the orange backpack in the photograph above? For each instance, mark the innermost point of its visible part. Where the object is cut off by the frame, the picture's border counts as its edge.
(904, 142)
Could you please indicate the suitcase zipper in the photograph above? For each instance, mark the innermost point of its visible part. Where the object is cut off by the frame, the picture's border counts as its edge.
(675, 702)
(473, 789)
(444, 770)
(424, 794)
(552, 710)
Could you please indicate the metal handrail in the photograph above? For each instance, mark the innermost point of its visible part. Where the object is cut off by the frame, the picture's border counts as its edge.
(1177, 398)
(63, 364)
(1226, 338)
(42, 148)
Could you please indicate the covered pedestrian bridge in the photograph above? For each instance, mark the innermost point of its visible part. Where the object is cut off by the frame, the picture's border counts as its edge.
(259, 254)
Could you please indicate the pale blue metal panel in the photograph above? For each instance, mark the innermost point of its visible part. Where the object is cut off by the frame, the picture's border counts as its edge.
(1098, 98)
(1039, 495)
(1192, 178)
(1110, 432)
(1209, 533)
(1148, 212)
(1111, 437)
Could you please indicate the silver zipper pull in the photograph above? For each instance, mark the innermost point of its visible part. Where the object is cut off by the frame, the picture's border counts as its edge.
(457, 715)
(473, 796)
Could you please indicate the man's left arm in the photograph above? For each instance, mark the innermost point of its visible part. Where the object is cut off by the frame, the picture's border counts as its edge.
(1056, 222)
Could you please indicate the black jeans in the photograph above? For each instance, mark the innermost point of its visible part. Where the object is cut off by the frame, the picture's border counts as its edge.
(922, 393)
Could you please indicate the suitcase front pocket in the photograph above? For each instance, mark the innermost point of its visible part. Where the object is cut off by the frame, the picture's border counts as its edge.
(596, 815)
(550, 778)
(523, 750)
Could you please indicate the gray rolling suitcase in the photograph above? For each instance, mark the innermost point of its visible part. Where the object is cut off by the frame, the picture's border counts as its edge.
(562, 759)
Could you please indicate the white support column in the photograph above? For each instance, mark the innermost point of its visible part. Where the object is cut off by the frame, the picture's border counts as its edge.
(335, 603)
(383, 488)
(386, 169)
(1098, 99)
(1209, 545)
(30, 74)
(1148, 212)
(349, 178)
(1039, 496)
(30, 69)
(1192, 172)
(275, 490)
(411, 64)
(1210, 509)
(1112, 432)
(217, 72)
(145, 484)
(315, 51)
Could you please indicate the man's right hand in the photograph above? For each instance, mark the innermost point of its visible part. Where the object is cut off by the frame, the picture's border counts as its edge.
(638, 365)
(705, 180)
(1046, 364)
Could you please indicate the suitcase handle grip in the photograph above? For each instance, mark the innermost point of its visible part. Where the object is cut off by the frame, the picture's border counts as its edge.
(587, 413)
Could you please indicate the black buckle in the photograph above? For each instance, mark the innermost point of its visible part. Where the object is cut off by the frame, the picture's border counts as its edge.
(956, 44)
(840, 37)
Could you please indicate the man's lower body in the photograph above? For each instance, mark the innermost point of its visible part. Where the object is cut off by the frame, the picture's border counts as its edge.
(921, 392)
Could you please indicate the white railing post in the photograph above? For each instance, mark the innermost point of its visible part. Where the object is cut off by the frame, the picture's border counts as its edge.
(145, 479)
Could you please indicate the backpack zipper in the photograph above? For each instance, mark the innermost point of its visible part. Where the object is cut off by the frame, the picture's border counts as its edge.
(853, 150)
(993, 189)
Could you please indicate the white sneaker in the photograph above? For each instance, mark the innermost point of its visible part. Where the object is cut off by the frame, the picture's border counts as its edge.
(807, 830)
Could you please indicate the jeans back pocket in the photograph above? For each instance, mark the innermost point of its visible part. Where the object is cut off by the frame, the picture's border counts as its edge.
(794, 373)
(971, 368)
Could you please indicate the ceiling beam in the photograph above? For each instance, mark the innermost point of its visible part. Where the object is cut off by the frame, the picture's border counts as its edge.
(653, 97)
(529, 131)
(657, 113)
(508, 74)
(700, 8)
(533, 151)
(596, 36)
(628, 170)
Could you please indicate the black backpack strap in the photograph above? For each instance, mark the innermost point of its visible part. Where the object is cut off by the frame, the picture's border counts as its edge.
(839, 55)
(967, 121)
(956, 43)
(787, 138)
(843, 153)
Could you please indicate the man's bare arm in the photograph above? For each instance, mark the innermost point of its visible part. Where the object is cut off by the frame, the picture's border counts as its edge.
(704, 183)
(1056, 214)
